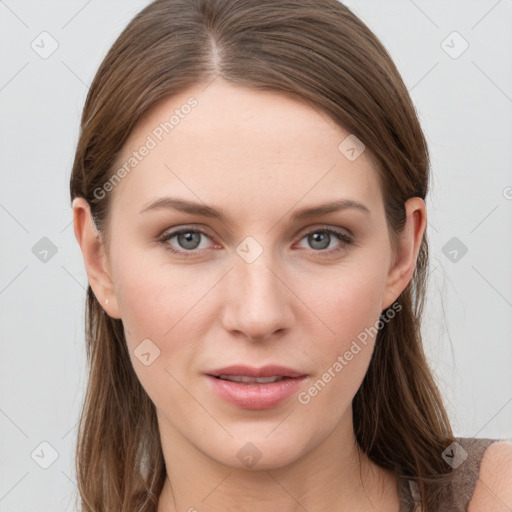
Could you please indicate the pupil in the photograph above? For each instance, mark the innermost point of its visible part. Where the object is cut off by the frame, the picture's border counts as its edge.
(317, 237)
(190, 240)
(187, 240)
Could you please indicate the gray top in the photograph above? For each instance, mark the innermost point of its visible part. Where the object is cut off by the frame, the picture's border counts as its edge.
(465, 476)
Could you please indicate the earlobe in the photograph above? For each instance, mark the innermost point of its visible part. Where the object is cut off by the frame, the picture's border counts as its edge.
(95, 258)
(409, 243)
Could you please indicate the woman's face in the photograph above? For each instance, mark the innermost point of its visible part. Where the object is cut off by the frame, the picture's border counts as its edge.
(259, 283)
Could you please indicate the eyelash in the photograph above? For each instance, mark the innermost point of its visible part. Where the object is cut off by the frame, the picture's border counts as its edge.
(342, 237)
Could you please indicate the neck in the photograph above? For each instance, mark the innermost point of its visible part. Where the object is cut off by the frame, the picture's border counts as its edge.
(333, 475)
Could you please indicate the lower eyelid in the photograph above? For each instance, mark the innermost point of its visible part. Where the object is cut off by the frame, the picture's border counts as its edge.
(169, 236)
(343, 238)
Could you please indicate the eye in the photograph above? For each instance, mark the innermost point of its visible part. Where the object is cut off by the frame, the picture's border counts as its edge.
(187, 240)
(320, 239)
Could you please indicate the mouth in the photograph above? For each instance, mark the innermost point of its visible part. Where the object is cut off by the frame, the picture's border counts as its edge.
(250, 380)
(255, 388)
(263, 375)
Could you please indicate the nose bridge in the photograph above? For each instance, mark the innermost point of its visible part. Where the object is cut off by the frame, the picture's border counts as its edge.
(257, 303)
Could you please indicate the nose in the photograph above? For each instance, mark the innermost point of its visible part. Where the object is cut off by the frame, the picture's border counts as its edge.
(258, 301)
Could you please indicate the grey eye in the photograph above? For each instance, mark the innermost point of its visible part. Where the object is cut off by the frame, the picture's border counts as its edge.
(189, 239)
(319, 240)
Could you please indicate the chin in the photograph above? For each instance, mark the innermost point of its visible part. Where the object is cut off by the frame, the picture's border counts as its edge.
(262, 452)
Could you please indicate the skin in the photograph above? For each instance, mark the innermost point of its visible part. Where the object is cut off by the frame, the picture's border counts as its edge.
(258, 156)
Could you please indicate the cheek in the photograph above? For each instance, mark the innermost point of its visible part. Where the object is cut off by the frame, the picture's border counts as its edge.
(169, 305)
(159, 307)
(348, 301)
(155, 299)
(352, 312)
(359, 301)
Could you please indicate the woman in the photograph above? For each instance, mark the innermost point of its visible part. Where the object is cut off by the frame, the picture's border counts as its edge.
(249, 197)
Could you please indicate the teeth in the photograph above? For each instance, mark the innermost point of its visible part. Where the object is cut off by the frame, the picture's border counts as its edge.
(244, 378)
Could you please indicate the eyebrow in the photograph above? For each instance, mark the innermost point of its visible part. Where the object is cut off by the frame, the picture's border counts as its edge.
(204, 210)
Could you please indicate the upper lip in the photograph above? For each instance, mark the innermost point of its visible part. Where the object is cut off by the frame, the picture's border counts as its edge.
(249, 371)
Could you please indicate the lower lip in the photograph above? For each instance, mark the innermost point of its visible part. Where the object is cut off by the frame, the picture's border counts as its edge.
(256, 396)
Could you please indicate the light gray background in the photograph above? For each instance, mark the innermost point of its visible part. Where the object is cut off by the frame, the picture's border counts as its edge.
(465, 106)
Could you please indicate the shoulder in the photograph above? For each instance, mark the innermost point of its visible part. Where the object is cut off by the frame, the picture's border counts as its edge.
(493, 490)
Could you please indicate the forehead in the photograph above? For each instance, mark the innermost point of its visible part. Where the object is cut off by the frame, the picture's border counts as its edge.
(231, 141)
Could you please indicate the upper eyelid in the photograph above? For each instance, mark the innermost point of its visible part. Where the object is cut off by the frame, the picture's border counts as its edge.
(306, 230)
(167, 235)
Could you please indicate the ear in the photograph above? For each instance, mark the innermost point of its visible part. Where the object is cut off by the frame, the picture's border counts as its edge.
(409, 242)
(95, 257)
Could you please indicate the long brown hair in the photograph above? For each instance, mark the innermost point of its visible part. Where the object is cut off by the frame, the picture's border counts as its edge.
(316, 51)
